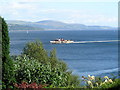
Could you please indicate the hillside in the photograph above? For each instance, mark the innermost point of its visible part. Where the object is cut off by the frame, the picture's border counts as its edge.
(14, 27)
(52, 25)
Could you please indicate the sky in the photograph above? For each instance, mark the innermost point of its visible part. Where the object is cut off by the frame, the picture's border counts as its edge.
(89, 12)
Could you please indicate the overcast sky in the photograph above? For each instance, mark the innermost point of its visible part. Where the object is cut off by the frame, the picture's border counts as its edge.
(89, 12)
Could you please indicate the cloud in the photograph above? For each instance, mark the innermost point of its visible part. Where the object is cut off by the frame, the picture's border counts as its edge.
(92, 19)
(39, 11)
(15, 10)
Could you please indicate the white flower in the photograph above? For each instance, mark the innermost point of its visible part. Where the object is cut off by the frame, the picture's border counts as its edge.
(92, 77)
(88, 75)
(89, 82)
(110, 80)
(106, 80)
(97, 84)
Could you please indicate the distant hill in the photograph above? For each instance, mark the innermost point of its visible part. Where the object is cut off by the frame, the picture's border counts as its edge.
(52, 25)
(49, 24)
(14, 27)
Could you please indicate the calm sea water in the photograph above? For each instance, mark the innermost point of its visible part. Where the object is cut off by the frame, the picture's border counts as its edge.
(86, 58)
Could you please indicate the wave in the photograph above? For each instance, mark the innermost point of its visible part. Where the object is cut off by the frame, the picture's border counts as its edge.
(95, 72)
(96, 41)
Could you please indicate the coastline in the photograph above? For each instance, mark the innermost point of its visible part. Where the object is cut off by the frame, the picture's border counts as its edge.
(56, 30)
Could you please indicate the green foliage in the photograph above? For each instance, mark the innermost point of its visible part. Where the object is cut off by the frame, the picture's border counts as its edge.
(35, 65)
(7, 63)
(8, 74)
(73, 80)
(115, 85)
(36, 50)
(5, 41)
(30, 70)
(53, 59)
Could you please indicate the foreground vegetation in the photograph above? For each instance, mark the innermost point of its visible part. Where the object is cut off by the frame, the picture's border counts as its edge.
(34, 65)
(100, 82)
(38, 68)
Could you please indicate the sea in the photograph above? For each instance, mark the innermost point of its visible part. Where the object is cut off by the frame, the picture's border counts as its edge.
(98, 57)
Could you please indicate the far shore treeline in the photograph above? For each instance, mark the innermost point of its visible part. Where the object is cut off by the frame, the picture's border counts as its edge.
(37, 68)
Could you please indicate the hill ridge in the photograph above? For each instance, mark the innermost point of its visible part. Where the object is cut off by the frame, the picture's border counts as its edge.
(53, 25)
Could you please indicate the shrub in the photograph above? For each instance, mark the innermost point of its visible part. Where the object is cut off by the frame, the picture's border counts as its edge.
(30, 70)
(35, 50)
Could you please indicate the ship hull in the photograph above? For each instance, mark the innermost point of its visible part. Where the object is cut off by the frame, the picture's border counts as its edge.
(59, 42)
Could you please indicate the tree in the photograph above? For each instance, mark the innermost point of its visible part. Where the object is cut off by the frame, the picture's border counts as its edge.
(54, 71)
(5, 41)
(7, 63)
(36, 50)
(53, 58)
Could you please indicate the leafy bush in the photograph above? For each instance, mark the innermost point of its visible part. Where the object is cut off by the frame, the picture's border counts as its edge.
(30, 70)
(62, 76)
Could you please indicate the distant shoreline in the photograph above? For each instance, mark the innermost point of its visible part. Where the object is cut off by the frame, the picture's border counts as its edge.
(56, 30)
